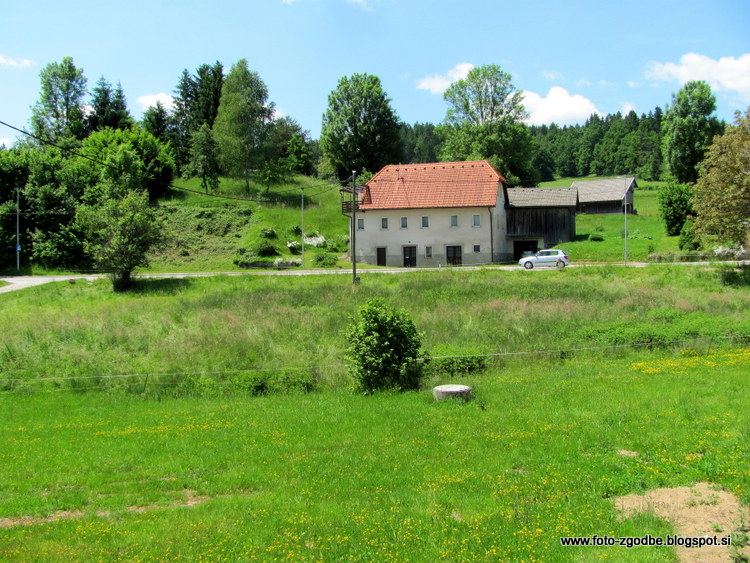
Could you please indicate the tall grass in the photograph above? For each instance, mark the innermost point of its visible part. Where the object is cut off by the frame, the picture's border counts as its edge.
(269, 332)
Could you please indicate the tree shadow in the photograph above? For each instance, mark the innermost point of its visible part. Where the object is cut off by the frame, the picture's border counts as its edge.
(160, 286)
(735, 276)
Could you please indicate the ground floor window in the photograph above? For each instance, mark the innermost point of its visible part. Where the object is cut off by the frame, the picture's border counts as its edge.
(477, 248)
(428, 252)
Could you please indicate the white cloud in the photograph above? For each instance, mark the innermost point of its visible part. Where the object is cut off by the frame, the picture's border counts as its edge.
(5, 142)
(439, 83)
(582, 82)
(150, 100)
(728, 73)
(633, 84)
(552, 76)
(559, 106)
(15, 63)
(626, 108)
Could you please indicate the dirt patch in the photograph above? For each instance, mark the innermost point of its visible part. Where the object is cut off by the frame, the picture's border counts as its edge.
(191, 499)
(627, 453)
(698, 511)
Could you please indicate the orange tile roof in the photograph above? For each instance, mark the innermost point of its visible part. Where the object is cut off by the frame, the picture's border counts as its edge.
(440, 184)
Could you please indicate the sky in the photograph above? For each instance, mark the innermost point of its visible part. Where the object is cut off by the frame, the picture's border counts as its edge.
(571, 59)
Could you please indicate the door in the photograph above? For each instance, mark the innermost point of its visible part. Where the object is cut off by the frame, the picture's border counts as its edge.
(453, 254)
(410, 257)
(380, 256)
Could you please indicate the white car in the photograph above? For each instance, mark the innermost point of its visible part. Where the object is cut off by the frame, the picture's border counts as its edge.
(549, 257)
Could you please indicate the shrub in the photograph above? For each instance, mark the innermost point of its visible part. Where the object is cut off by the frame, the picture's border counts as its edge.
(267, 233)
(325, 259)
(294, 246)
(596, 237)
(675, 206)
(688, 239)
(264, 248)
(384, 347)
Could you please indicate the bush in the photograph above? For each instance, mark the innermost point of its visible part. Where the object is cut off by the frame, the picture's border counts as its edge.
(384, 347)
(264, 248)
(688, 239)
(325, 259)
(267, 233)
(596, 237)
(675, 206)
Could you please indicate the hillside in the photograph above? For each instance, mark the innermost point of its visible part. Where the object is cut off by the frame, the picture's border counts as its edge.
(216, 232)
(209, 233)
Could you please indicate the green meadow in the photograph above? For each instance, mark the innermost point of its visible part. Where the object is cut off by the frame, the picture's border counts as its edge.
(213, 418)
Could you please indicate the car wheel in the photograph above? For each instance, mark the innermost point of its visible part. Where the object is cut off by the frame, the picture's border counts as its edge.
(560, 264)
(528, 265)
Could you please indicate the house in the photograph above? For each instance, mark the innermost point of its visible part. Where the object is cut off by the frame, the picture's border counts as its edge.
(540, 218)
(605, 196)
(429, 215)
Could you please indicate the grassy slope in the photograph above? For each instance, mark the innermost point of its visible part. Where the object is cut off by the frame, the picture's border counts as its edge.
(205, 232)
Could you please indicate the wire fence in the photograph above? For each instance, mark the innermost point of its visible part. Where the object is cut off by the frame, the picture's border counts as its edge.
(258, 381)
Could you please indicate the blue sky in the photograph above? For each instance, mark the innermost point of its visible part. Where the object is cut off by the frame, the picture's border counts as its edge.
(571, 59)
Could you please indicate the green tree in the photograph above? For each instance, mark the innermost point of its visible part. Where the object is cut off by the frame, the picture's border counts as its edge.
(675, 206)
(486, 97)
(156, 120)
(421, 142)
(108, 108)
(118, 224)
(484, 120)
(155, 157)
(59, 111)
(242, 122)
(689, 127)
(722, 194)
(384, 349)
(360, 129)
(204, 160)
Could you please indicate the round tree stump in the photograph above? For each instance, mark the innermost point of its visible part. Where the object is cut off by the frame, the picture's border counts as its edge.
(441, 392)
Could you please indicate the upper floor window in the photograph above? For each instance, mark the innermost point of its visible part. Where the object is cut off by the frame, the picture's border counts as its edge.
(404, 223)
(384, 222)
(425, 221)
(360, 224)
(454, 220)
(476, 221)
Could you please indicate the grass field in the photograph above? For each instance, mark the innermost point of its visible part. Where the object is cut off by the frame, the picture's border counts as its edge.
(331, 476)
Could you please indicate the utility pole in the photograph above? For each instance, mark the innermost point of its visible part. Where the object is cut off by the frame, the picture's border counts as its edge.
(18, 229)
(302, 225)
(625, 207)
(355, 279)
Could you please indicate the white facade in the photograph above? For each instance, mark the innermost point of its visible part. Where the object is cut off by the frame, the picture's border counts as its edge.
(433, 237)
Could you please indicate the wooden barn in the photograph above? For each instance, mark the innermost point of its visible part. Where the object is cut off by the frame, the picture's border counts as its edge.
(605, 196)
(540, 218)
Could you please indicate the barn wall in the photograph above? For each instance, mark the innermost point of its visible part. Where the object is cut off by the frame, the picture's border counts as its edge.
(554, 224)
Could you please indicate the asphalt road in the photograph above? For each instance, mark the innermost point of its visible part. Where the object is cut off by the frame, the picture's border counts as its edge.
(16, 283)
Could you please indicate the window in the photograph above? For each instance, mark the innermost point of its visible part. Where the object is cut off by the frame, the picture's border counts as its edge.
(454, 220)
(476, 221)
(428, 252)
(477, 248)
(384, 222)
(360, 224)
(404, 222)
(425, 221)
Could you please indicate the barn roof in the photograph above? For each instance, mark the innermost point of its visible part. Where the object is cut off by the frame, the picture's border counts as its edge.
(440, 184)
(543, 197)
(592, 191)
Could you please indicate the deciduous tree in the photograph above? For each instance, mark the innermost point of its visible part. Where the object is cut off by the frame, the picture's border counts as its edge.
(722, 194)
(242, 122)
(360, 129)
(689, 128)
(59, 111)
